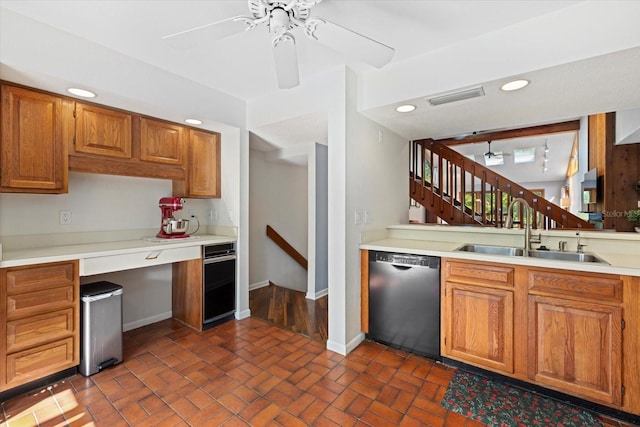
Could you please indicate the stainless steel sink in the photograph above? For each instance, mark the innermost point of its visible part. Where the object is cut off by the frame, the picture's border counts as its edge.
(491, 249)
(514, 251)
(567, 256)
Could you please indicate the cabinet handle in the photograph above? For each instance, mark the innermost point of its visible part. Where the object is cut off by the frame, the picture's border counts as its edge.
(153, 255)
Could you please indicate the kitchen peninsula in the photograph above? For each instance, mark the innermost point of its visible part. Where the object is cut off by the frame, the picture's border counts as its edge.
(569, 327)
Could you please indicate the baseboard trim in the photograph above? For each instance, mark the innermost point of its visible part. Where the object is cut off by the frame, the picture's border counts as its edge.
(243, 314)
(258, 285)
(345, 349)
(322, 293)
(146, 321)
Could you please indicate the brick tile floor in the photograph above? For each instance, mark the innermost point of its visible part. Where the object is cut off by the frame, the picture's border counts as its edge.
(244, 373)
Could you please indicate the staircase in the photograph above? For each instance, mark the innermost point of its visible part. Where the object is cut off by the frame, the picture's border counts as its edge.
(453, 188)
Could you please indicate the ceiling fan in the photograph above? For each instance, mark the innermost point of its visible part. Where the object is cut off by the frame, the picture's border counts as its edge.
(494, 158)
(282, 17)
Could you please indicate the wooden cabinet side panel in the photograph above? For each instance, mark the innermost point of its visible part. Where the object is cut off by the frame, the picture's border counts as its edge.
(33, 155)
(102, 131)
(162, 142)
(480, 326)
(631, 344)
(364, 291)
(576, 347)
(186, 292)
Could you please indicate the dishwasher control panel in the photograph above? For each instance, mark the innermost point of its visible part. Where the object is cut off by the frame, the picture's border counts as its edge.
(408, 260)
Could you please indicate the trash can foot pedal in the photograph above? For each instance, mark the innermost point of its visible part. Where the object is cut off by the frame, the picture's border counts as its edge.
(107, 363)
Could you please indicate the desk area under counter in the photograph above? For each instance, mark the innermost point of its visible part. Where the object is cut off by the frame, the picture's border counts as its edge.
(161, 279)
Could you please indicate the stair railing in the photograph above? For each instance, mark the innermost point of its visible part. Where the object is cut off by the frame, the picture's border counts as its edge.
(286, 247)
(448, 184)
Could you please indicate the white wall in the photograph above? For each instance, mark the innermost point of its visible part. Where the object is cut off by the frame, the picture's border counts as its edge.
(277, 197)
(551, 189)
(318, 284)
(42, 57)
(377, 182)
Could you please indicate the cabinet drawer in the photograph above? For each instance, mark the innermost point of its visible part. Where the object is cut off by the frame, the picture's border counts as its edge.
(600, 287)
(33, 278)
(480, 274)
(35, 363)
(106, 264)
(40, 329)
(30, 303)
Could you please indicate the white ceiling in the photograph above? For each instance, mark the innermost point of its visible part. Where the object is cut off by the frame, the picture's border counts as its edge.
(559, 144)
(582, 57)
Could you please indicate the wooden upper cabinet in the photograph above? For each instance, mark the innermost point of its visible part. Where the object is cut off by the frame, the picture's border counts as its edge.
(162, 142)
(203, 167)
(33, 154)
(102, 131)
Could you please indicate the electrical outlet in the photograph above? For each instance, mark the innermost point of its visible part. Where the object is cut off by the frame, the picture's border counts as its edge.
(192, 213)
(65, 217)
(229, 216)
(213, 216)
(359, 217)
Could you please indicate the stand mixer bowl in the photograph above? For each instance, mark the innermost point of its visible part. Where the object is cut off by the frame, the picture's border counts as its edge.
(175, 226)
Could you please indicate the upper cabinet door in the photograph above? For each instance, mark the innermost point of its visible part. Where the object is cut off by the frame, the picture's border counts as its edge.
(203, 171)
(162, 142)
(102, 131)
(33, 156)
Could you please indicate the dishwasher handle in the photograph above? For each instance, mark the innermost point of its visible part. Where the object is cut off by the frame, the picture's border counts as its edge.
(404, 265)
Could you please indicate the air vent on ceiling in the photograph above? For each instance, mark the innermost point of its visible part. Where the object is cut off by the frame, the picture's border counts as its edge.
(473, 92)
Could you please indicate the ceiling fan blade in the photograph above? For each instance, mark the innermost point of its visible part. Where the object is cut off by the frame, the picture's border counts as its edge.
(349, 42)
(286, 61)
(208, 32)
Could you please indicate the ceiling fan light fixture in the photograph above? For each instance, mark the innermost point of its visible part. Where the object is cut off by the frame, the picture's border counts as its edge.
(406, 108)
(83, 93)
(461, 95)
(514, 85)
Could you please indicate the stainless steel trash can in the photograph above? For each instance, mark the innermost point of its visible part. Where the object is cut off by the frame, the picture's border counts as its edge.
(100, 327)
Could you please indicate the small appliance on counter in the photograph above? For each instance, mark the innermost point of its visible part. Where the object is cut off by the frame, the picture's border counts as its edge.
(170, 227)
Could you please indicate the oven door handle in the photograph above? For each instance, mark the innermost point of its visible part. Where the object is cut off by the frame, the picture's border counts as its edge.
(218, 259)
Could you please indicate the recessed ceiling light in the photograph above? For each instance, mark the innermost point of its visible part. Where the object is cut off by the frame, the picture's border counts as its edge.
(193, 121)
(514, 85)
(81, 92)
(407, 108)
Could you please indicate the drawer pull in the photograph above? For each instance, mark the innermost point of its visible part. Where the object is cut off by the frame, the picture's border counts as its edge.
(153, 255)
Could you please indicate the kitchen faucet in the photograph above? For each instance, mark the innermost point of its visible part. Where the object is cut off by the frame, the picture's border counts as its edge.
(527, 218)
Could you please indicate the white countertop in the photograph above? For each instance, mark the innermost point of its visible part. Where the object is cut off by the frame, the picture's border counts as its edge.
(54, 253)
(422, 242)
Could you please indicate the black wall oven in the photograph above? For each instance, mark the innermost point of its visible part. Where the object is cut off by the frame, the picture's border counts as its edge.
(219, 283)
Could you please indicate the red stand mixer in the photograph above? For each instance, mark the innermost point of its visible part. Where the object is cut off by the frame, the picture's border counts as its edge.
(171, 228)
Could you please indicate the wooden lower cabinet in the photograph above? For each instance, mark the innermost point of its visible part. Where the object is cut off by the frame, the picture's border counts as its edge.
(569, 331)
(40, 315)
(480, 326)
(576, 347)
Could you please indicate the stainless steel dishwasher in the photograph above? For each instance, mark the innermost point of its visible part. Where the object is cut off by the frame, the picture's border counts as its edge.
(404, 302)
